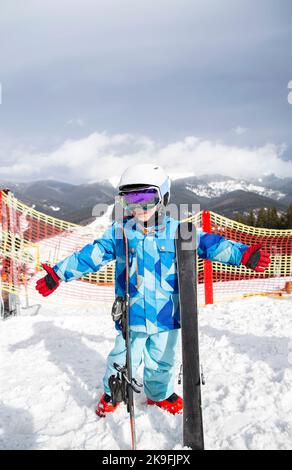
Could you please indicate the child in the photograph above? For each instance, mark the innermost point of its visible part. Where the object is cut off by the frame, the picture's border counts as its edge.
(154, 304)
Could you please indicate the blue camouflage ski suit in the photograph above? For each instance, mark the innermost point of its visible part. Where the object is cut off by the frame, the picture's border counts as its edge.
(153, 288)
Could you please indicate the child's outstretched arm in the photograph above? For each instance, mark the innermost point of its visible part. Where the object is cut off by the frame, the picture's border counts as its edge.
(216, 248)
(89, 259)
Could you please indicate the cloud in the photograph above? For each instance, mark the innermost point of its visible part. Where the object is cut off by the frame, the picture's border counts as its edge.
(290, 94)
(160, 67)
(76, 122)
(102, 156)
(240, 130)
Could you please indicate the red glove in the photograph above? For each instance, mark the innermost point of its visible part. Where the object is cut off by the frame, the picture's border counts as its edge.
(47, 284)
(255, 259)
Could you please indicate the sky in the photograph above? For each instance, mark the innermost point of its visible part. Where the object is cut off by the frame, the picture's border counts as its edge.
(92, 86)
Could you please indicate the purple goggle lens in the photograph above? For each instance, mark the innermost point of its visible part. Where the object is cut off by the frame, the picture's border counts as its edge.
(145, 197)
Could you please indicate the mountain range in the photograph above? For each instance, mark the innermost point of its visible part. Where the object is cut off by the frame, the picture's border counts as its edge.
(218, 193)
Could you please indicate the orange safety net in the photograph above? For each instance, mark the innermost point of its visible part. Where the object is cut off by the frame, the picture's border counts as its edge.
(229, 282)
(29, 238)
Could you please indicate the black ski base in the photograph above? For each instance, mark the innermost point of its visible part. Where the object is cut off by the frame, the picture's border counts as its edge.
(193, 436)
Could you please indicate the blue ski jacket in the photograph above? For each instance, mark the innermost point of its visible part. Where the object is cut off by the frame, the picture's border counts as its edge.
(153, 282)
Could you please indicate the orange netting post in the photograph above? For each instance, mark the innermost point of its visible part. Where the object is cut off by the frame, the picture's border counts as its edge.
(208, 269)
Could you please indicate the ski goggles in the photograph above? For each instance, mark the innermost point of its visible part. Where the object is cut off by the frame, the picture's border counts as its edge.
(144, 198)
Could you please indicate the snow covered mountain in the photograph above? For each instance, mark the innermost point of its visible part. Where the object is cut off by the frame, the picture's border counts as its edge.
(228, 195)
(218, 188)
(220, 193)
(65, 201)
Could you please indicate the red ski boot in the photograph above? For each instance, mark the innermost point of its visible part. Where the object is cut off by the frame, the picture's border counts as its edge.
(105, 406)
(173, 404)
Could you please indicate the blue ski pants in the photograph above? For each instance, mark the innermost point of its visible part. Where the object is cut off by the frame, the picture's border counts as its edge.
(158, 352)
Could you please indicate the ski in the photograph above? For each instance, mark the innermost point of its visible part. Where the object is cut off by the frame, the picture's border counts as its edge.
(130, 392)
(123, 385)
(186, 252)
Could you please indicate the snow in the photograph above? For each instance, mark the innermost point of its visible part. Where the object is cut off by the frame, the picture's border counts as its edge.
(219, 188)
(52, 365)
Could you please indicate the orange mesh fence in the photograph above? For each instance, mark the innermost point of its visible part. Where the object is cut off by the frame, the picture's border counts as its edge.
(29, 238)
(222, 282)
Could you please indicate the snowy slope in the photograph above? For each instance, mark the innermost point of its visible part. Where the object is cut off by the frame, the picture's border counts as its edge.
(52, 365)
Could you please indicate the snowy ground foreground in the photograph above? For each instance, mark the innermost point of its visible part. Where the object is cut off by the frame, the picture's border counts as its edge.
(52, 365)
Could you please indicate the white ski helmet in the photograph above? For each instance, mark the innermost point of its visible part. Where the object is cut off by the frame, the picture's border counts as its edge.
(146, 174)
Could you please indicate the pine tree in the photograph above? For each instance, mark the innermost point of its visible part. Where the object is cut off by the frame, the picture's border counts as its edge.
(250, 219)
(262, 218)
(289, 217)
(239, 218)
(266, 218)
(283, 221)
(273, 219)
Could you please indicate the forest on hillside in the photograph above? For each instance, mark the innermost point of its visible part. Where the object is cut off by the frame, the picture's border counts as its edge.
(267, 218)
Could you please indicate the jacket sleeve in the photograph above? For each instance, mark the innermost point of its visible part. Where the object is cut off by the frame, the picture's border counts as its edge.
(216, 248)
(88, 260)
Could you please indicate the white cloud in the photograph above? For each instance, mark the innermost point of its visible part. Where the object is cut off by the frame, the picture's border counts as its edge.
(290, 94)
(101, 156)
(76, 122)
(240, 130)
